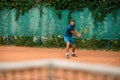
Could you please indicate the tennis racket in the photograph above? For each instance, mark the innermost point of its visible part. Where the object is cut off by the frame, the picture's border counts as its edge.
(85, 30)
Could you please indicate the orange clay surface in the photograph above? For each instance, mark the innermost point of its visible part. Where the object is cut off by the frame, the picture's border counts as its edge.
(13, 54)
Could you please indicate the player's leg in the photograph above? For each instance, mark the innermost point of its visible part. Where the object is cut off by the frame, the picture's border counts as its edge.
(67, 46)
(73, 50)
(73, 46)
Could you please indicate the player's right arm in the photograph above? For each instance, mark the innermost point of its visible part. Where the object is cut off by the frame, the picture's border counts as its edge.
(74, 33)
(77, 33)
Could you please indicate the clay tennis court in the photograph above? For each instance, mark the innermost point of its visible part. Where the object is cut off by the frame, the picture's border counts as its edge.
(16, 54)
(13, 53)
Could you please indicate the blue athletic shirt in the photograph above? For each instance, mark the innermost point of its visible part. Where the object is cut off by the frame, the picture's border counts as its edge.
(68, 30)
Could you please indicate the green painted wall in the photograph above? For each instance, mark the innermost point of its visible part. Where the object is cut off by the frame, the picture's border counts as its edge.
(31, 23)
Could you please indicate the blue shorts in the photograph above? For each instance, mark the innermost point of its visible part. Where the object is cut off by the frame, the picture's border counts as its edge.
(69, 39)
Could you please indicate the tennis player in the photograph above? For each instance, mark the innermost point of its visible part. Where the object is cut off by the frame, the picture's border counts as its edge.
(68, 38)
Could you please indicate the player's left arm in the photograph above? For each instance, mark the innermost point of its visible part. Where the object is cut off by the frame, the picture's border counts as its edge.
(77, 32)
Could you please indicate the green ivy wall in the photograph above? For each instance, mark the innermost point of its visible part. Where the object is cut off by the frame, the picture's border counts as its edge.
(31, 23)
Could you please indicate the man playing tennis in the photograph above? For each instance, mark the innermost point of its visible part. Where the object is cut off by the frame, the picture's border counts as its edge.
(68, 38)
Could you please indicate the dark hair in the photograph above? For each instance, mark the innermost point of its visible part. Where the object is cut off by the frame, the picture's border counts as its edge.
(72, 20)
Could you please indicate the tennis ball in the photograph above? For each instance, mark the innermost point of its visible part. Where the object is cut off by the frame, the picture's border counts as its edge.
(59, 36)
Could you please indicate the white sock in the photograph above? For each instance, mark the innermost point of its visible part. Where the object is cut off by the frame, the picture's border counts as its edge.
(73, 53)
(67, 53)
